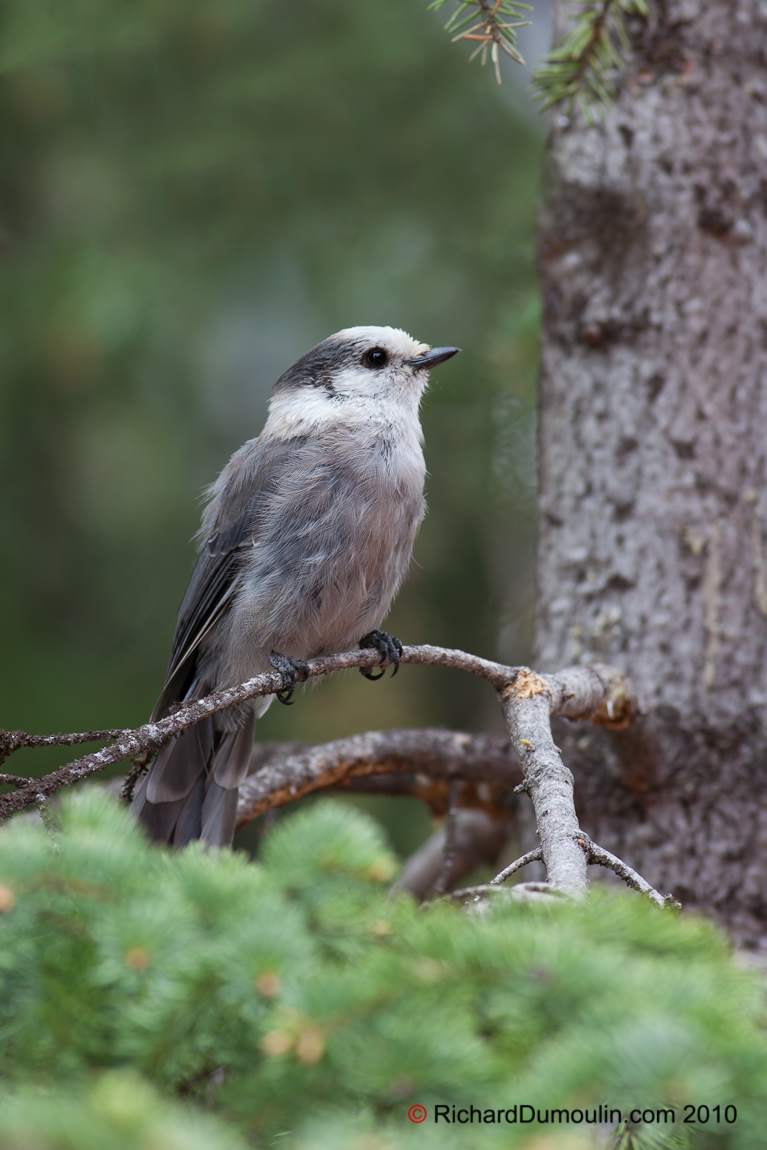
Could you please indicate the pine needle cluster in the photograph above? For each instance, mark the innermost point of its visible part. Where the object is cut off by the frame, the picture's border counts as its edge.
(198, 999)
(492, 24)
(581, 69)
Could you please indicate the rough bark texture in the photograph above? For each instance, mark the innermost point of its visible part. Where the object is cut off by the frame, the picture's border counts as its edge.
(653, 451)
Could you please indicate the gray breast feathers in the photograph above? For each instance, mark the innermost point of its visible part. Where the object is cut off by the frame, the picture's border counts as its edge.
(331, 545)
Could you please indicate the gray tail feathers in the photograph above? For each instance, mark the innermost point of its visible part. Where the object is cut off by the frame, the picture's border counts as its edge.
(191, 789)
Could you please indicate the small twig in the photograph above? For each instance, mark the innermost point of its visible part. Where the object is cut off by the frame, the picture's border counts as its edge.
(595, 855)
(11, 741)
(14, 780)
(531, 856)
(487, 888)
(598, 856)
(450, 841)
(139, 766)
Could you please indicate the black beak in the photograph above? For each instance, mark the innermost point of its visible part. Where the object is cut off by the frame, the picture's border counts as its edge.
(432, 358)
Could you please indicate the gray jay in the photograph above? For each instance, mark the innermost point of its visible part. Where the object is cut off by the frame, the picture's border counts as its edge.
(305, 539)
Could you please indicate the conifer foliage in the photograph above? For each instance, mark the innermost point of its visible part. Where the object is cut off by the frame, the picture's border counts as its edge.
(293, 997)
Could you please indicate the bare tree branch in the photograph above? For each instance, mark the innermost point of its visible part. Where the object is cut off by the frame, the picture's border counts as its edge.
(531, 856)
(598, 693)
(427, 758)
(595, 855)
(599, 856)
(522, 889)
(13, 780)
(150, 737)
(528, 702)
(283, 774)
(11, 741)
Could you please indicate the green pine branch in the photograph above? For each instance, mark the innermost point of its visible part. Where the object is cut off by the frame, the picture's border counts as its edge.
(581, 69)
(492, 24)
(295, 1001)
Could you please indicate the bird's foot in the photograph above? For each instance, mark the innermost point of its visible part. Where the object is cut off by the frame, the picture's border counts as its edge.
(389, 649)
(292, 670)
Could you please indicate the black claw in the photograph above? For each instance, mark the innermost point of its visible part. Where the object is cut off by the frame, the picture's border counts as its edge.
(293, 671)
(389, 648)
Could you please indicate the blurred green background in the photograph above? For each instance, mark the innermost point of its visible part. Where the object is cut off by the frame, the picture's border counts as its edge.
(194, 193)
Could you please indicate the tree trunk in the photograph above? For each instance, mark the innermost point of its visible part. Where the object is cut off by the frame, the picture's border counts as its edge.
(653, 451)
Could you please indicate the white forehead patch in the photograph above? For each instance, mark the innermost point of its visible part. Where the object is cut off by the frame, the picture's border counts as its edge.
(394, 339)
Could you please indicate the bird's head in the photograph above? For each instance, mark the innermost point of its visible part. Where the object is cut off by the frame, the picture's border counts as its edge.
(358, 366)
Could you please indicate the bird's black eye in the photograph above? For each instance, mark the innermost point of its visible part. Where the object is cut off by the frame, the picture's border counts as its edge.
(377, 357)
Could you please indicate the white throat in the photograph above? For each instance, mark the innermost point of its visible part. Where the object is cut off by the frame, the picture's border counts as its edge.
(307, 410)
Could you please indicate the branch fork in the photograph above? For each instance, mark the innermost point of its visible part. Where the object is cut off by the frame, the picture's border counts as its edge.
(529, 702)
